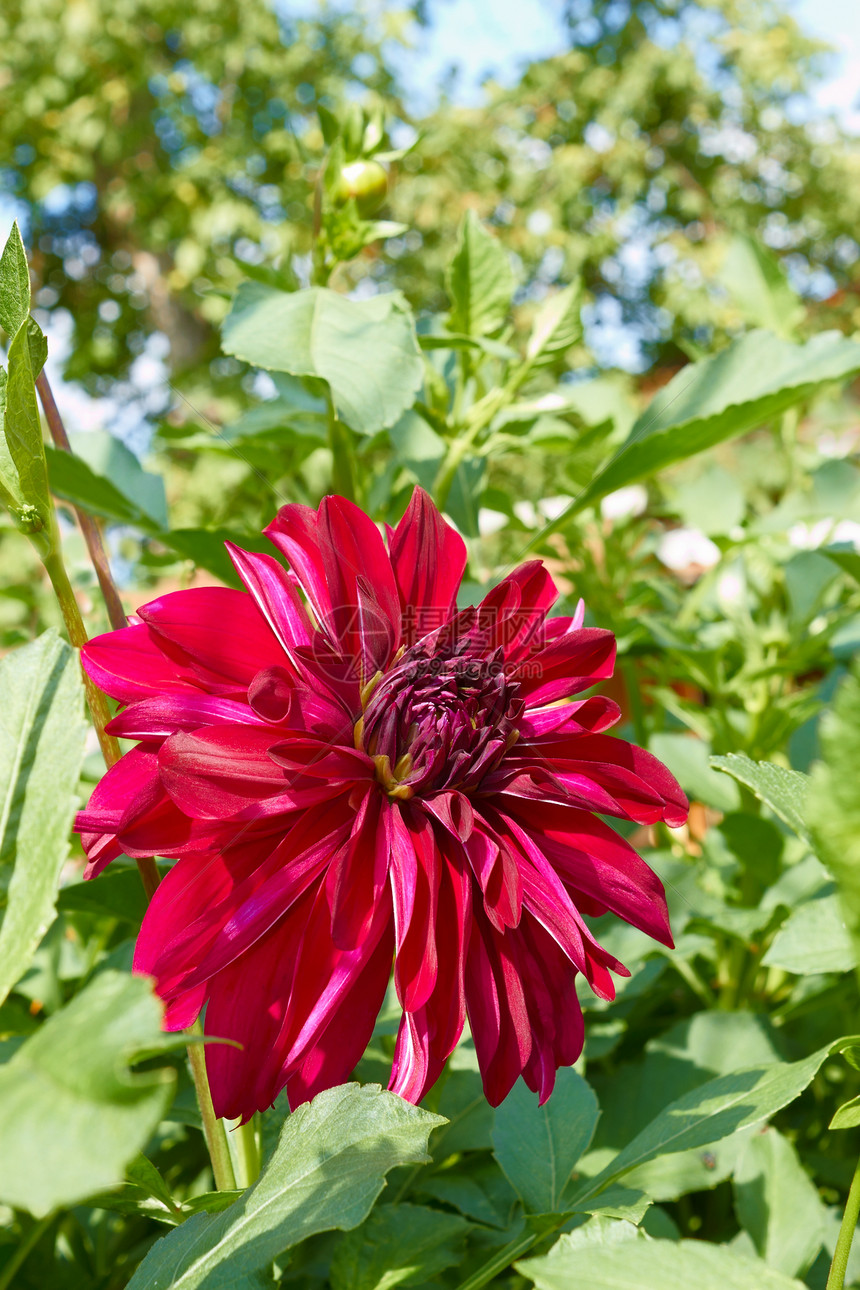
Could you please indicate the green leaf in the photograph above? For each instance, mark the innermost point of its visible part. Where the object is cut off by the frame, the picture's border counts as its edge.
(778, 1204)
(650, 1265)
(848, 560)
(833, 807)
(755, 379)
(42, 732)
(365, 350)
(480, 279)
(399, 1245)
(328, 1168)
(14, 283)
(538, 1146)
(783, 790)
(814, 939)
(109, 458)
(687, 758)
(74, 480)
(847, 1116)
(758, 283)
(557, 325)
(711, 1112)
(118, 894)
(72, 1115)
(23, 472)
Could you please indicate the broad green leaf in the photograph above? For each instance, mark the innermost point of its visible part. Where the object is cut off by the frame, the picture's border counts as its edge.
(74, 480)
(72, 1115)
(557, 325)
(813, 939)
(783, 790)
(14, 283)
(650, 1265)
(833, 806)
(364, 349)
(398, 1245)
(687, 758)
(538, 1146)
(847, 1116)
(328, 1169)
(118, 894)
(848, 561)
(758, 283)
(481, 281)
(711, 1112)
(618, 1201)
(109, 458)
(205, 547)
(42, 732)
(746, 385)
(22, 431)
(778, 1204)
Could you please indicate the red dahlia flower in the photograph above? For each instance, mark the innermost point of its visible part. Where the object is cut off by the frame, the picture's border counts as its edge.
(373, 776)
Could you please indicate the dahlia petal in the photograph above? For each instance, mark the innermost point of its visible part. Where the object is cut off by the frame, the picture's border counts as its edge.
(429, 1034)
(454, 811)
(519, 604)
(565, 666)
(592, 858)
(358, 873)
(376, 635)
(304, 757)
(214, 772)
(164, 714)
(129, 664)
(352, 548)
(428, 557)
(182, 1011)
(497, 1010)
(279, 698)
(276, 881)
(339, 1048)
(498, 877)
(295, 532)
(128, 792)
(415, 871)
(221, 631)
(247, 1003)
(594, 714)
(274, 595)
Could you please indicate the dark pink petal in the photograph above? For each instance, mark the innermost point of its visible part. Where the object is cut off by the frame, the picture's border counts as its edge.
(339, 1048)
(592, 858)
(305, 758)
(428, 557)
(594, 714)
(295, 532)
(358, 874)
(498, 878)
(517, 608)
(129, 664)
(248, 1000)
(415, 872)
(376, 636)
(221, 631)
(278, 697)
(267, 878)
(214, 772)
(565, 666)
(497, 1009)
(275, 596)
(429, 1034)
(128, 792)
(163, 715)
(634, 777)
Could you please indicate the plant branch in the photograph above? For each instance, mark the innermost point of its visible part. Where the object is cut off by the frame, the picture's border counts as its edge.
(213, 1129)
(839, 1266)
(88, 525)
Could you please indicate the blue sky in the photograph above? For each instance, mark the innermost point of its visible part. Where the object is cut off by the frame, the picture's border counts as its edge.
(480, 35)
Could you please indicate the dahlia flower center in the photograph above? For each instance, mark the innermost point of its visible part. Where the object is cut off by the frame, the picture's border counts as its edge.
(438, 720)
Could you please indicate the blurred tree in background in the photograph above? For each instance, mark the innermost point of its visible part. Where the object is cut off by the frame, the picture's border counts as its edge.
(160, 150)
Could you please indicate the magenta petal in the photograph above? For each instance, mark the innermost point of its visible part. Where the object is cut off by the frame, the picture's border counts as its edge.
(358, 874)
(221, 631)
(428, 557)
(295, 532)
(415, 872)
(214, 772)
(128, 664)
(163, 715)
(275, 596)
(566, 666)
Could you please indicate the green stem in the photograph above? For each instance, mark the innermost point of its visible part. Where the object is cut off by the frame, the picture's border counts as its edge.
(343, 463)
(35, 1234)
(247, 1153)
(96, 700)
(839, 1266)
(213, 1129)
(502, 1260)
